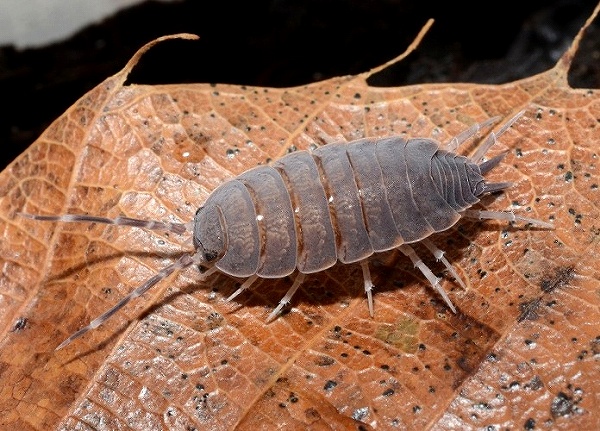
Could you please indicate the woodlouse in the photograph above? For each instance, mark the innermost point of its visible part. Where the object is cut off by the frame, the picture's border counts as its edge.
(340, 202)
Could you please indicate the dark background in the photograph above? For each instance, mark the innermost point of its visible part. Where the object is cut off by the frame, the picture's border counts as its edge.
(292, 42)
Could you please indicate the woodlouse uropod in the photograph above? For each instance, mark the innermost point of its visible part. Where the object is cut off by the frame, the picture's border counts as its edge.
(342, 202)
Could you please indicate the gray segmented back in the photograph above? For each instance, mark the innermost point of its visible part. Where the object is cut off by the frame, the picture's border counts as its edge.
(340, 202)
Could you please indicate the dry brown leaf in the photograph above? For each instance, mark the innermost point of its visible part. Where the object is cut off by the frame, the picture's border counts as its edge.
(522, 351)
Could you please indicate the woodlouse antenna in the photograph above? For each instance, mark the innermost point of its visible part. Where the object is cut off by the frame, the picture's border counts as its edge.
(182, 263)
(177, 228)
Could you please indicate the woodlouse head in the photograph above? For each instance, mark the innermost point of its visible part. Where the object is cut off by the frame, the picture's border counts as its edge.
(209, 236)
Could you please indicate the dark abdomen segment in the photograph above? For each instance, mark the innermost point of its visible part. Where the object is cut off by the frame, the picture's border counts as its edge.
(316, 238)
(409, 221)
(373, 194)
(275, 219)
(434, 208)
(337, 177)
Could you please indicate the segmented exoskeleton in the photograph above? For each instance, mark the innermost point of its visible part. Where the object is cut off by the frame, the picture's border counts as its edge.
(340, 202)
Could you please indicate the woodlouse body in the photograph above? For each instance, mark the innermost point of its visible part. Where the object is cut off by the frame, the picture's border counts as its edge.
(339, 202)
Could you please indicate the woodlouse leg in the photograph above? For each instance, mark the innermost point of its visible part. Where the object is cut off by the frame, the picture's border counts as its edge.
(504, 215)
(435, 282)
(364, 264)
(470, 132)
(439, 255)
(245, 285)
(491, 140)
(287, 297)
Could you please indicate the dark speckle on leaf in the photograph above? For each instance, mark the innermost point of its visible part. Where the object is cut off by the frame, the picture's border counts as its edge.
(464, 364)
(360, 413)
(529, 424)
(324, 361)
(562, 405)
(329, 385)
(562, 276)
(529, 310)
(388, 392)
(19, 324)
(535, 383)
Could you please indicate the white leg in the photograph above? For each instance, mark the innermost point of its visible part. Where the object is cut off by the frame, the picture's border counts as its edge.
(287, 297)
(470, 132)
(439, 255)
(245, 285)
(435, 282)
(504, 215)
(491, 140)
(368, 285)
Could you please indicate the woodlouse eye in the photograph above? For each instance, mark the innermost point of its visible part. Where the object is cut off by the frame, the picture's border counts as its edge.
(210, 255)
